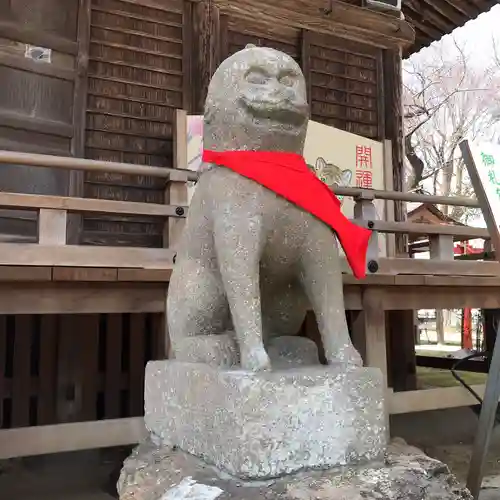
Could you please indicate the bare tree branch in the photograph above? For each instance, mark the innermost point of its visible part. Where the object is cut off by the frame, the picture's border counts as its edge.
(446, 99)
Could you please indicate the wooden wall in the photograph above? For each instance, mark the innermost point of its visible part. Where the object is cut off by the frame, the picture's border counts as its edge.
(40, 101)
(345, 79)
(119, 70)
(72, 368)
(139, 73)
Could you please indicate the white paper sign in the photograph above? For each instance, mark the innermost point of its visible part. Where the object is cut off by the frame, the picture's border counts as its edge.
(483, 164)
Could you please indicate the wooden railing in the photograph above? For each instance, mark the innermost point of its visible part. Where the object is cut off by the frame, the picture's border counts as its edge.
(53, 212)
(52, 249)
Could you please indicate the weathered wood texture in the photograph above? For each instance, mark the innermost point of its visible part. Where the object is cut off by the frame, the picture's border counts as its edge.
(344, 78)
(37, 97)
(139, 73)
(393, 105)
(73, 368)
(345, 82)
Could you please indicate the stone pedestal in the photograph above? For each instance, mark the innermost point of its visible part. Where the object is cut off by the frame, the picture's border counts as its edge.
(404, 473)
(262, 425)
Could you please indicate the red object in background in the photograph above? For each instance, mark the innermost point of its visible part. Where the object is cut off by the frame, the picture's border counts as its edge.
(288, 176)
(465, 248)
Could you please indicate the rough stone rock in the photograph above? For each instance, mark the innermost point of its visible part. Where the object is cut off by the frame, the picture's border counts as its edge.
(256, 425)
(405, 473)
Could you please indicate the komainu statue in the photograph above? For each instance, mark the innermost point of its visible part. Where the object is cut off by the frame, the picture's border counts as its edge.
(259, 247)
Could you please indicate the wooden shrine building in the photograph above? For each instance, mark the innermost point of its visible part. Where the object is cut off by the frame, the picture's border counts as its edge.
(88, 233)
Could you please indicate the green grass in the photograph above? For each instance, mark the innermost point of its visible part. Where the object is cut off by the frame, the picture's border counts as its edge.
(433, 377)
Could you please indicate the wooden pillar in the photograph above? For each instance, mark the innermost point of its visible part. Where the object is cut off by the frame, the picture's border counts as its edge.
(77, 177)
(208, 48)
(402, 358)
(394, 131)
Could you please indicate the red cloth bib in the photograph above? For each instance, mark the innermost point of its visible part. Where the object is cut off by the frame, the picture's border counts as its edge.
(288, 176)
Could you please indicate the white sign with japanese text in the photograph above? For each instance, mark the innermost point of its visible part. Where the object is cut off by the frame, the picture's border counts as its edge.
(483, 164)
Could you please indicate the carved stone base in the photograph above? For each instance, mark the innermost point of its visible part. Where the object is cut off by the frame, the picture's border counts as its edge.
(267, 424)
(405, 473)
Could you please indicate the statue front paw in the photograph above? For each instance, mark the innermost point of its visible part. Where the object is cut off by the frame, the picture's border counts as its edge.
(255, 359)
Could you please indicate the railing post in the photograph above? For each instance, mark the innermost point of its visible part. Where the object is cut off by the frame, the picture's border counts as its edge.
(364, 209)
(52, 227)
(441, 247)
(176, 192)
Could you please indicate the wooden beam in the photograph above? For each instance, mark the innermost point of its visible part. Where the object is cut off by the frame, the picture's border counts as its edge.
(32, 441)
(433, 399)
(345, 20)
(26, 33)
(439, 268)
(38, 68)
(68, 163)
(81, 298)
(35, 124)
(427, 229)
(440, 297)
(20, 201)
(19, 254)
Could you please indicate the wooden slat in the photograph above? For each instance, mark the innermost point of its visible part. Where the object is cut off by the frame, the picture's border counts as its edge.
(86, 205)
(3, 362)
(88, 337)
(68, 399)
(114, 347)
(137, 363)
(46, 410)
(71, 437)
(18, 254)
(433, 399)
(21, 378)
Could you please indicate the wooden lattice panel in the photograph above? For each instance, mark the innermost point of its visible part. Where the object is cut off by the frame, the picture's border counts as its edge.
(345, 84)
(73, 368)
(240, 32)
(138, 75)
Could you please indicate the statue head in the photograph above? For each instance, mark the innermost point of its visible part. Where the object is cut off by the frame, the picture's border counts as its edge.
(256, 101)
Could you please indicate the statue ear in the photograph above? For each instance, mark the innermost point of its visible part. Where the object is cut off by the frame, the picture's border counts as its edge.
(320, 163)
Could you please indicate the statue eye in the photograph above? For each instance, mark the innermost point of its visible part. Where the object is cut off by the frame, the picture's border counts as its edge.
(287, 80)
(257, 78)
